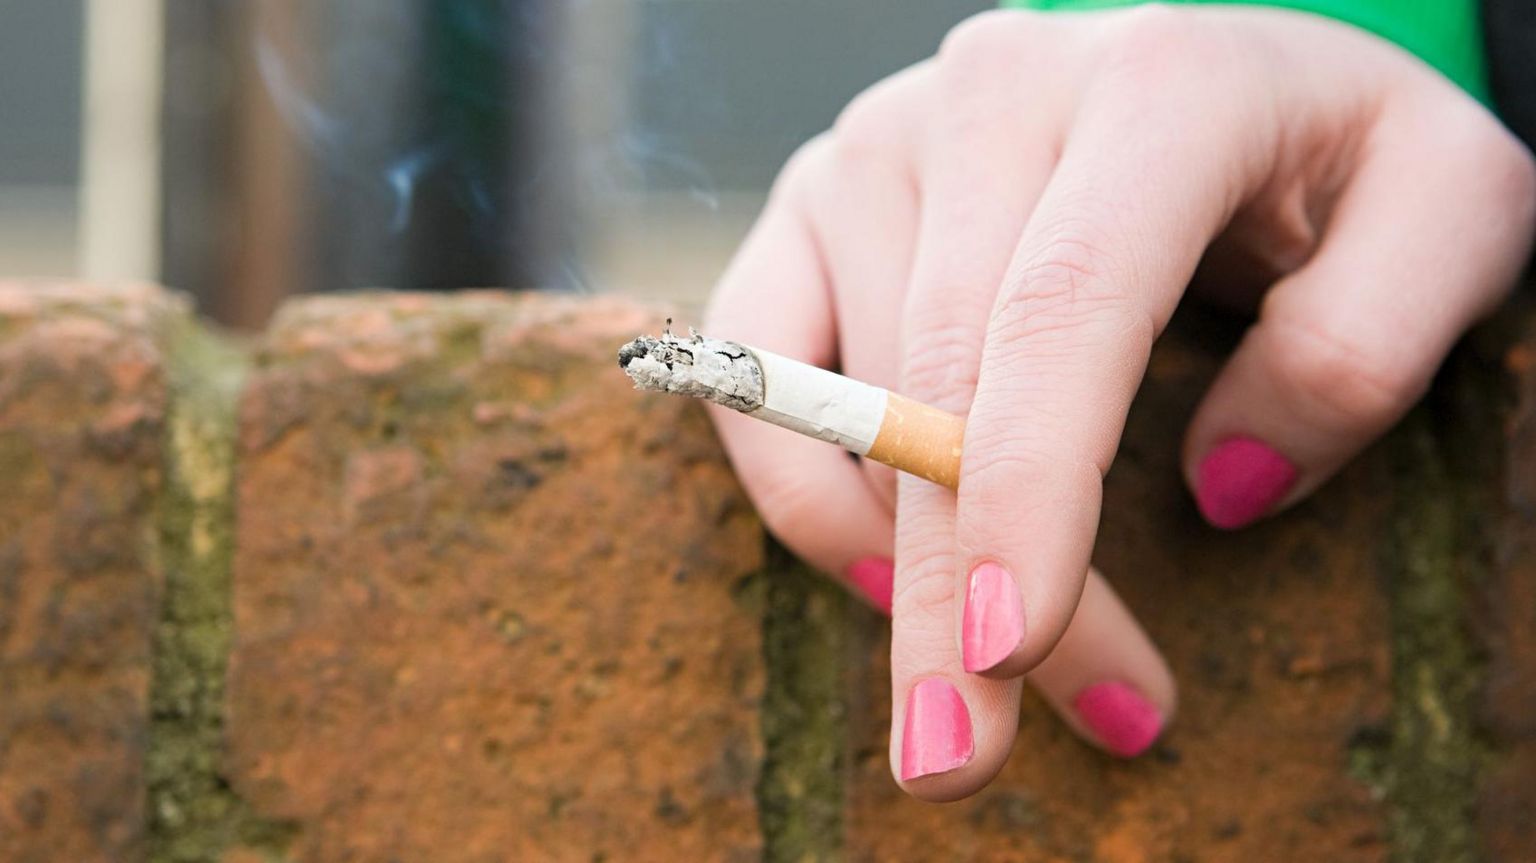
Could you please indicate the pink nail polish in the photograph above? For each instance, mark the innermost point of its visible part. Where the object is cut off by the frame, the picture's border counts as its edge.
(873, 577)
(936, 736)
(993, 624)
(1124, 722)
(1240, 480)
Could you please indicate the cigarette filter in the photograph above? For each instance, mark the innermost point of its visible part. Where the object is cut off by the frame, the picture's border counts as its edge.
(868, 420)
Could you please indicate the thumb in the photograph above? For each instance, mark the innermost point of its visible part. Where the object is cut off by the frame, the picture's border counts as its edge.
(1345, 345)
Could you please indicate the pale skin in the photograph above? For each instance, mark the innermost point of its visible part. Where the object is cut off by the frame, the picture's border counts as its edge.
(1003, 231)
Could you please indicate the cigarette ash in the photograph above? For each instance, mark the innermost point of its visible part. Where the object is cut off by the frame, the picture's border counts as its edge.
(723, 372)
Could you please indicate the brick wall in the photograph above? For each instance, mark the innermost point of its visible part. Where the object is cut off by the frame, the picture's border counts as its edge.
(422, 579)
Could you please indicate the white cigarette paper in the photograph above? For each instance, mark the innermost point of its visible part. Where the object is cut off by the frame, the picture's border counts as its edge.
(863, 419)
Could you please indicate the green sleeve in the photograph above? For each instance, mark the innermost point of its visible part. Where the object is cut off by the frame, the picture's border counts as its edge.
(1443, 33)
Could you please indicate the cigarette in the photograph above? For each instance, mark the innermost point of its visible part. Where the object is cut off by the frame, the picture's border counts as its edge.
(873, 422)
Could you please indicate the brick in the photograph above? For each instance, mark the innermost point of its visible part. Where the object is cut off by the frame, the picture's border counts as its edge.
(1280, 635)
(1507, 802)
(488, 601)
(82, 406)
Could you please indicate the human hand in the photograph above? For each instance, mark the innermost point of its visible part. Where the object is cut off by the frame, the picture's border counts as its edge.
(1003, 230)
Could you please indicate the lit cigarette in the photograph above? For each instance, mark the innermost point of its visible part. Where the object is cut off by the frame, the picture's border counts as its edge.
(876, 423)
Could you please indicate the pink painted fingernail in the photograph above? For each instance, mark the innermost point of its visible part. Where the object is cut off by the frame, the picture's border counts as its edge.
(1240, 480)
(936, 736)
(1124, 722)
(994, 618)
(873, 576)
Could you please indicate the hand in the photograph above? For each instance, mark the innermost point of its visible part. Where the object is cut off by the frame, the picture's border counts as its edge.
(1003, 230)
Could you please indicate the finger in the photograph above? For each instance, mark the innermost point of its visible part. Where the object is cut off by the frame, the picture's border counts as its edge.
(810, 494)
(866, 217)
(1105, 677)
(979, 181)
(1346, 344)
(1101, 265)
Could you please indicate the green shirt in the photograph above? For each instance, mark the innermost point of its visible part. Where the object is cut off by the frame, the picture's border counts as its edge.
(1446, 34)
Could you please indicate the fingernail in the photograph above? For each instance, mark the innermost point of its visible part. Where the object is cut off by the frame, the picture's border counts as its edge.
(994, 618)
(873, 577)
(1240, 480)
(936, 736)
(1124, 722)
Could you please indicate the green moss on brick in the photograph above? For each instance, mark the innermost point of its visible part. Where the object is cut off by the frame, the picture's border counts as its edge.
(193, 814)
(800, 789)
(1427, 763)
(1431, 764)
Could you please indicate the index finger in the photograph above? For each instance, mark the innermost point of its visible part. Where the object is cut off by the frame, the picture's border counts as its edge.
(1102, 263)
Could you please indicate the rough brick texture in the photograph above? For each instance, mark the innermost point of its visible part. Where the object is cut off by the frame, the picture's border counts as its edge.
(1507, 804)
(484, 592)
(82, 402)
(449, 590)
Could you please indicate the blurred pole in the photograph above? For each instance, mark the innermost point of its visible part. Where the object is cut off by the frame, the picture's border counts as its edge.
(266, 260)
(362, 144)
(120, 141)
(233, 189)
(199, 221)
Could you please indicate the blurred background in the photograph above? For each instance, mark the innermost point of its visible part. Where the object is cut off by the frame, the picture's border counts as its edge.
(244, 150)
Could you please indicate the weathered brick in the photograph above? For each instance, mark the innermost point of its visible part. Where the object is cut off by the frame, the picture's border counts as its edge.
(490, 604)
(1507, 803)
(487, 599)
(1280, 636)
(82, 404)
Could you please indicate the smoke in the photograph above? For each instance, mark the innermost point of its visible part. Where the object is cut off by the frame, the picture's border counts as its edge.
(316, 129)
(353, 138)
(470, 112)
(402, 177)
(660, 162)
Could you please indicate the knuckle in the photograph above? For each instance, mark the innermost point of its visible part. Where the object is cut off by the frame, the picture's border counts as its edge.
(861, 122)
(1504, 161)
(1486, 170)
(1150, 30)
(1000, 464)
(1155, 53)
(925, 589)
(985, 40)
(1010, 71)
(1519, 189)
(1070, 265)
(876, 121)
(941, 364)
(1348, 382)
(1519, 181)
(1467, 135)
(800, 171)
(989, 48)
(1520, 169)
(1069, 288)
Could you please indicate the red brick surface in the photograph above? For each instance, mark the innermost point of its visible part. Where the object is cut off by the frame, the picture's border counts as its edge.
(1280, 638)
(484, 593)
(491, 604)
(1507, 805)
(82, 402)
